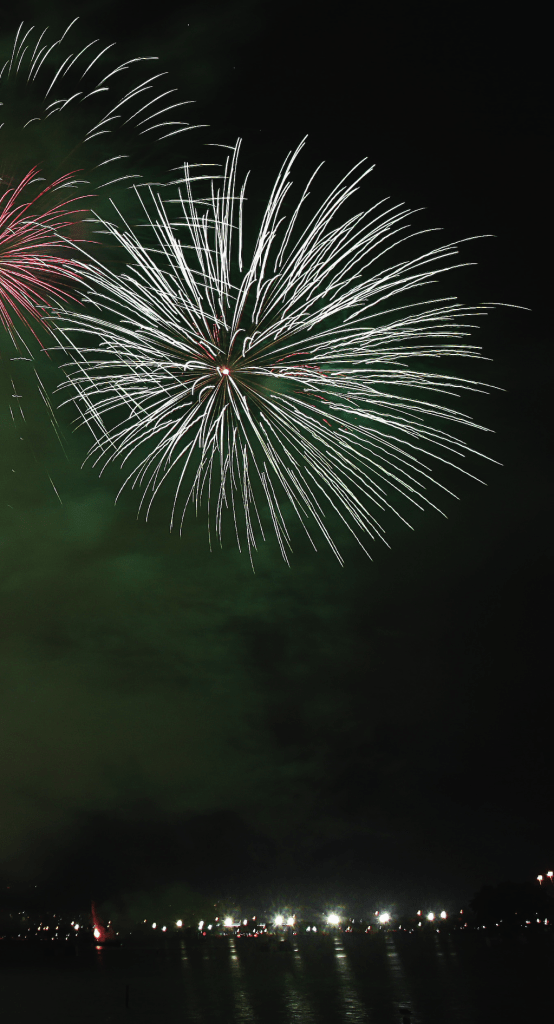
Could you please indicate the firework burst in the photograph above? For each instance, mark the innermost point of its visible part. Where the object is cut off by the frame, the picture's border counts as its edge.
(37, 264)
(276, 381)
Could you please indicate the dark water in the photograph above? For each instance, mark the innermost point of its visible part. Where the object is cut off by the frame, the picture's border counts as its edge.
(441, 979)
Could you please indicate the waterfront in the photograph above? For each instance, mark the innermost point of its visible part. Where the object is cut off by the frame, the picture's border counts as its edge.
(323, 979)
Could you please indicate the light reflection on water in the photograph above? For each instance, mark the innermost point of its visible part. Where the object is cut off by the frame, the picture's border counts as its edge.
(344, 979)
(243, 1009)
(352, 1007)
(334, 979)
(400, 984)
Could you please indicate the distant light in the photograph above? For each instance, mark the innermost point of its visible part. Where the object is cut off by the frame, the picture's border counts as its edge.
(96, 933)
(550, 874)
(419, 913)
(164, 929)
(539, 878)
(444, 915)
(290, 921)
(308, 929)
(228, 922)
(200, 925)
(154, 925)
(383, 918)
(179, 923)
(314, 929)
(279, 920)
(333, 919)
(210, 926)
(225, 370)
(245, 921)
(430, 916)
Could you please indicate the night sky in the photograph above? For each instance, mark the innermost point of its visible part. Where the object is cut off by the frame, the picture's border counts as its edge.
(172, 722)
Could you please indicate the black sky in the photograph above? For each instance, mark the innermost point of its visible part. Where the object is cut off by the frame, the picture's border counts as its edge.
(378, 731)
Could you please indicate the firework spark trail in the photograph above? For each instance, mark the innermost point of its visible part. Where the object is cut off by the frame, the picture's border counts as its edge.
(281, 376)
(51, 81)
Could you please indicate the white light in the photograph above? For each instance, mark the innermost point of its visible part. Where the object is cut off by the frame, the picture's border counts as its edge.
(210, 926)
(76, 927)
(333, 919)
(154, 925)
(179, 923)
(279, 920)
(228, 922)
(245, 921)
(96, 933)
(443, 915)
(225, 370)
(200, 925)
(430, 916)
(164, 929)
(290, 922)
(539, 878)
(383, 918)
(308, 929)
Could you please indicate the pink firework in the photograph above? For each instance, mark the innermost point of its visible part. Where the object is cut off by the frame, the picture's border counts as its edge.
(36, 268)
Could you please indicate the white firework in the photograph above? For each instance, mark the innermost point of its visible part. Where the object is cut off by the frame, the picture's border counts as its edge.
(276, 382)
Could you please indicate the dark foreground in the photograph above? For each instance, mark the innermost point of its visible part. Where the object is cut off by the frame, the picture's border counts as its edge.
(427, 979)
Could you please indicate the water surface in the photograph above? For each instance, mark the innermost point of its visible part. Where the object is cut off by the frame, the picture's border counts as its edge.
(341, 979)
